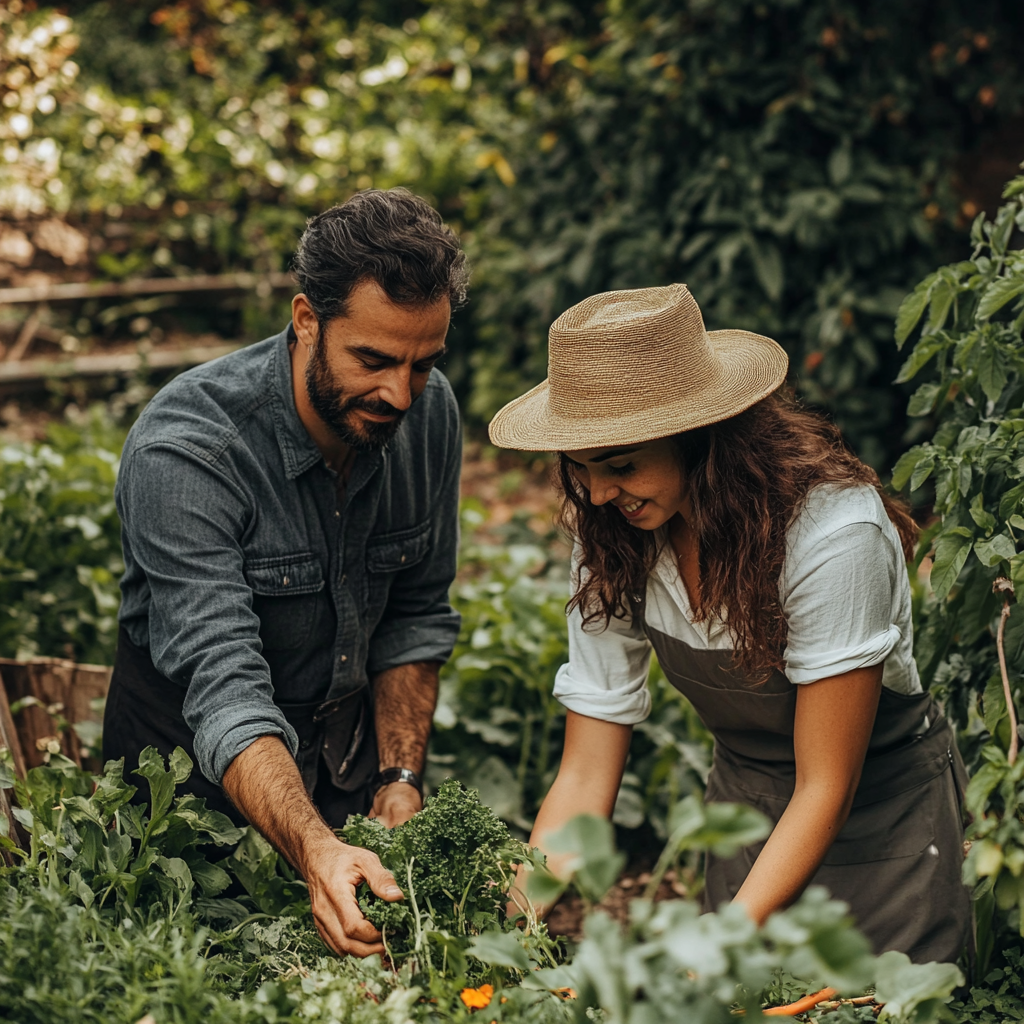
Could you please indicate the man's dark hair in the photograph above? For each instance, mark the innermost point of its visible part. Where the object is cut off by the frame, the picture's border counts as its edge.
(391, 236)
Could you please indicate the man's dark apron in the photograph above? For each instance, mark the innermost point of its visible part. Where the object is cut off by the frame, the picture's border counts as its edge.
(337, 754)
(898, 859)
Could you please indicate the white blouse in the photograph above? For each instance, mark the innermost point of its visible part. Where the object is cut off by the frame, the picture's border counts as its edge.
(845, 594)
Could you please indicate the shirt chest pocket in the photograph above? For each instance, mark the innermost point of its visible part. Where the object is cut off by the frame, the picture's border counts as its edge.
(390, 553)
(287, 595)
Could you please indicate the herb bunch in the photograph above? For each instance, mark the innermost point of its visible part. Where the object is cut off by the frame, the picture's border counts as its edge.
(455, 861)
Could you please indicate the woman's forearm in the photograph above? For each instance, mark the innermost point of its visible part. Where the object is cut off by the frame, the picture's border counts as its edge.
(587, 783)
(794, 852)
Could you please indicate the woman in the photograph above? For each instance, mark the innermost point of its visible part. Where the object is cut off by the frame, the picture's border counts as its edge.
(720, 524)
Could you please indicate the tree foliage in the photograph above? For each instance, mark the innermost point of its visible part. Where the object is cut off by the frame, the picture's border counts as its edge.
(792, 160)
(970, 352)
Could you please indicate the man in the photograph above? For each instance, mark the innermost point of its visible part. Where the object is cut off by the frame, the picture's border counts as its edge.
(290, 523)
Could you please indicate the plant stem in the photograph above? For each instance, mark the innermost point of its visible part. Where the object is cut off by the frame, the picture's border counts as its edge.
(1010, 709)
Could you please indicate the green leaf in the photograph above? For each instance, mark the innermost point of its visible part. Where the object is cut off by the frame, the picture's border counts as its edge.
(181, 765)
(923, 351)
(950, 554)
(994, 703)
(995, 550)
(907, 988)
(161, 783)
(922, 401)
(1000, 292)
(984, 519)
(906, 465)
(991, 371)
(595, 863)
(940, 304)
(922, 471)
(911, 309)
(499, 949)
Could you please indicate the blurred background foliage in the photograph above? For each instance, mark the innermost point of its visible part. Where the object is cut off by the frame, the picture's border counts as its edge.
(799, 163)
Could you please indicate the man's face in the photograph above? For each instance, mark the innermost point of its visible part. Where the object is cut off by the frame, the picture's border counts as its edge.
(368, 367)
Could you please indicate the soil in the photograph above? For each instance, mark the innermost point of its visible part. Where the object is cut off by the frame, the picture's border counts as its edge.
(566, 917)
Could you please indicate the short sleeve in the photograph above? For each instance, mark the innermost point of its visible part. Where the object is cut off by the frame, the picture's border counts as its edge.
(838, 597)
(606, 677)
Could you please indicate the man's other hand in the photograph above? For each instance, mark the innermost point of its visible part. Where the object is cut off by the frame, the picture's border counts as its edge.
(396, 803)
(333, 872)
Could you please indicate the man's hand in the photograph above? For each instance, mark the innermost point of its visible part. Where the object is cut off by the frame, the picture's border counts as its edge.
(333, 871)
(263, 782)
(396, 803)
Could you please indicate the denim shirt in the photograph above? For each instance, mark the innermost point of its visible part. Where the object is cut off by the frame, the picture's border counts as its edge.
(246, 581)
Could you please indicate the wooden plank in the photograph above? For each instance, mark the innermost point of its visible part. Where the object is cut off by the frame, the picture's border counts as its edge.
(260, 283)
(58, 684)
(9, 739)
(9, 735)
(120, 363)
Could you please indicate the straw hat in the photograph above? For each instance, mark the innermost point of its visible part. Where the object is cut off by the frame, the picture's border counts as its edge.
(631, 366)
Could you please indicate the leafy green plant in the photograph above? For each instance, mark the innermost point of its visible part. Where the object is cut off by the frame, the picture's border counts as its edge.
(60, 545)
(972, 346)
(456, 862)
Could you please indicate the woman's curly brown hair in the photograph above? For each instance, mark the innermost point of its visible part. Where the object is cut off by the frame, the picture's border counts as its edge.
(748, 478)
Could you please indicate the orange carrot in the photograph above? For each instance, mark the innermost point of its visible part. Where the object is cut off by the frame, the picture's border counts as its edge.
(801, 1005)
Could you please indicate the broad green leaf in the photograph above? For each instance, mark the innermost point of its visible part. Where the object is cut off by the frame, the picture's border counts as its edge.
(181, 765)
(911, 309)
(951, 552)
(923, 351)
(1000, 292)
(995, 550)
(940, 304)
(981, 517)
(499, 949)
(994, 703)
(981, 785)
(905, 467)
(161, 783)
(991, 371)
(922, 471)
(923, 400)
(543, 888)
(595, 863)
(907, 988)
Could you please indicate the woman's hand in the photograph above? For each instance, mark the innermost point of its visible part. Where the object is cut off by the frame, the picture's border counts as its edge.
(587, 783)
(834, 719)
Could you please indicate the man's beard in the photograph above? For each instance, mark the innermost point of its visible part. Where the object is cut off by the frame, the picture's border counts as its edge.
(339, 413)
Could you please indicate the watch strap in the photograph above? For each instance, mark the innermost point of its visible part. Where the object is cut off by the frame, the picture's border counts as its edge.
(388, 775)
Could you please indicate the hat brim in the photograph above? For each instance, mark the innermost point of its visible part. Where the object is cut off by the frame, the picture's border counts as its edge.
(752, 367)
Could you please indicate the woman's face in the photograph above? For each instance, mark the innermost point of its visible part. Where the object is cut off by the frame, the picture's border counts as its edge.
(643, 481)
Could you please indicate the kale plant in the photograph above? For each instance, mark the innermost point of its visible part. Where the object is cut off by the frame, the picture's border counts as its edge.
(455, 861)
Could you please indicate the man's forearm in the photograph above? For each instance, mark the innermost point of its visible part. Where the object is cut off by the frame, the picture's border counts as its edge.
(404, 701)
(264, 783)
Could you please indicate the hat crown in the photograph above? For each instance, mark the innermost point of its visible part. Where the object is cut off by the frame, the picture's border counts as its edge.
(628, 351)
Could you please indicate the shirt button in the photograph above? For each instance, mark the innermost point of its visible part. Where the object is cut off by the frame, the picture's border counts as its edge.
(344, 578)
(344, 657)
(305, 745)
(402, 558)
(286, 581)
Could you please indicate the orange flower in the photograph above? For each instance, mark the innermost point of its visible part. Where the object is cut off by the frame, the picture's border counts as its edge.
(566, 993)
(477, 998)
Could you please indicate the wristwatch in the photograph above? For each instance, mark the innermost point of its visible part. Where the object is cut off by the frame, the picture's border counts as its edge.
(389, 775)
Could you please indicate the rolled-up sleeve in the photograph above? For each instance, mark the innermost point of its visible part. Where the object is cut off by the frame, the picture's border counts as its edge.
(419, 623)
(839, 604)
(606, 675)
(183, 521)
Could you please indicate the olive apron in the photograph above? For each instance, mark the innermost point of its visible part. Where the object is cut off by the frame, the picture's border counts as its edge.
(897, 861)
(337, 755)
